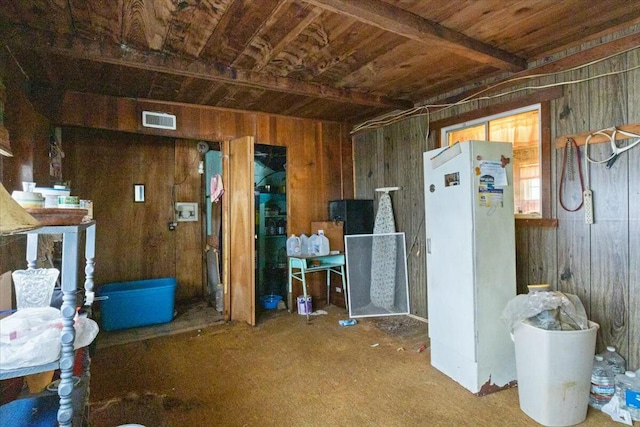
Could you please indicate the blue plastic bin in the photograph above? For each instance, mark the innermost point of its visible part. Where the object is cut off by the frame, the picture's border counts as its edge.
(41, 411)
(137, 303)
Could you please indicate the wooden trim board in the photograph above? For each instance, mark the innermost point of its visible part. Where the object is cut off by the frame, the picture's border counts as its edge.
(580, 138)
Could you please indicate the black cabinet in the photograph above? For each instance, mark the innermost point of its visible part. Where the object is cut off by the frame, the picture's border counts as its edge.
(357, 215)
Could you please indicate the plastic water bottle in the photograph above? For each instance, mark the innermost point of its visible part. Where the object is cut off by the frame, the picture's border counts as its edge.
(603, 385)
(628, 393)
(614, 360)
(293, 245)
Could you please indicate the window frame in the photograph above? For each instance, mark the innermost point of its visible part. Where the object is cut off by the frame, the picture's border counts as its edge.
(486, 120)
(544, 98)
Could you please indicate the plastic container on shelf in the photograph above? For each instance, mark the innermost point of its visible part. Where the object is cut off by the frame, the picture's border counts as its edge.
(628, 393)
(271, 227)
(304, 245)
(28, 199)
(293, 245)
(322, 244)
(603, 384)
(312, 245)
(615, 361)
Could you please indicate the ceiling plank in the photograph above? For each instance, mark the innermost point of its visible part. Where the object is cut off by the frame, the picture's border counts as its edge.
(414, 27)
(110, 53)
(292, 34)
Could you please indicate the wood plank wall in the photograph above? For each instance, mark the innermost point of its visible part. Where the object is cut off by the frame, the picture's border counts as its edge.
(133, 239)
(317, 171)
(393, 157)
(29, 134)
(599, 263)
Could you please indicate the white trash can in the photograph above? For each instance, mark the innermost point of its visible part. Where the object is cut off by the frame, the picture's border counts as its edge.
(554, 373)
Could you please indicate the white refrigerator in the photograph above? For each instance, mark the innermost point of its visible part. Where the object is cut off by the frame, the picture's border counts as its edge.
(471, 273)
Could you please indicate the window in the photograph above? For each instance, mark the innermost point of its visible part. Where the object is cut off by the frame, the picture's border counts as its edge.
(521, 127)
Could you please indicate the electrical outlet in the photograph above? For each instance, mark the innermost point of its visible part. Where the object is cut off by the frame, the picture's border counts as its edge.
(588, 206)
(186, 211)
(338, 290)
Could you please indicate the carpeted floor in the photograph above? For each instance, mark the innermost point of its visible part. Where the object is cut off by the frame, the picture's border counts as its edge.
(286, 371)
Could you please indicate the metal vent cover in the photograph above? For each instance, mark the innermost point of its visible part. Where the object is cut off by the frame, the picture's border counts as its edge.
(158, 120)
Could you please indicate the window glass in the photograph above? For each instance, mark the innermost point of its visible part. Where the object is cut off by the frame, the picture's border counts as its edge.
(522, 128)
(477, 133)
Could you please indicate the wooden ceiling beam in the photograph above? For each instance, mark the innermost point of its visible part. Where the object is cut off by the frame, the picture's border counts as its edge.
(414, 27)
(110, 53)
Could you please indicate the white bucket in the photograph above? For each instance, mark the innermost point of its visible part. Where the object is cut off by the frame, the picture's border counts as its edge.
(304, 306)
(554, 373)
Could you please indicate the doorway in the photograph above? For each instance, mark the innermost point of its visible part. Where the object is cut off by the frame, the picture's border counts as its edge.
(270, 225)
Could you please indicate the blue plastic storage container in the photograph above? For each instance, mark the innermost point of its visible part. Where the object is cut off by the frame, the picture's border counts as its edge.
(137, 303)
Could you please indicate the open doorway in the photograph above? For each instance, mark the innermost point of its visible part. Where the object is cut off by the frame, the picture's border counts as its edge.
(270, 226)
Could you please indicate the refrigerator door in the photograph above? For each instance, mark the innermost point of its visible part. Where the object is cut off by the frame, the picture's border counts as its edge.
(451, 298)
(470, 232)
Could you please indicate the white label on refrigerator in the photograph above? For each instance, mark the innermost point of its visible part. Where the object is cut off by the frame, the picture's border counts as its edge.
(488, 195)
(495, 170)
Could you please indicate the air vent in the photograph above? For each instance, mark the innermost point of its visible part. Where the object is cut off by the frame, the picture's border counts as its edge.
(158, 120)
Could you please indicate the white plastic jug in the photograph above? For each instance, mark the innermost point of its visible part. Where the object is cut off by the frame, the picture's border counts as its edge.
(322, 243)
(304, 244)
(293, 245)
(313, 245)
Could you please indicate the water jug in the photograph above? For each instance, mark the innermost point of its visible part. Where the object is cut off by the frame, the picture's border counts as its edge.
(313, 245)
(602, 383)
(322, 243)
(304, 245)
(614, 360)
(293, 245)
(628, 393)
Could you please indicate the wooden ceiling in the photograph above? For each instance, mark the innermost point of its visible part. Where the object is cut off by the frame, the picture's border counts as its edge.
(345, 60)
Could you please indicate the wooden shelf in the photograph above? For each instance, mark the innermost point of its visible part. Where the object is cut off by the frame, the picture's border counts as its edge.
(71, 406)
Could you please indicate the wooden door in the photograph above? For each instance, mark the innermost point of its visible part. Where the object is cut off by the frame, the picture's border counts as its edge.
(240, 230)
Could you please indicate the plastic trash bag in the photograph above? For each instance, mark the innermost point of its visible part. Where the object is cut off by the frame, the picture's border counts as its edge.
(86, 331)
(31, 337)
(549, 310)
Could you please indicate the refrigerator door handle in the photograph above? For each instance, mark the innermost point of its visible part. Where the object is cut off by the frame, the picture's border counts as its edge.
(428, 245)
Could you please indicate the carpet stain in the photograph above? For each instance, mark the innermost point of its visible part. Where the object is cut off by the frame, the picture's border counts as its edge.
(174, 403)
(146, 409)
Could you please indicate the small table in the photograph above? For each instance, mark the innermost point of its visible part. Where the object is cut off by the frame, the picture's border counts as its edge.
(310, 263)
